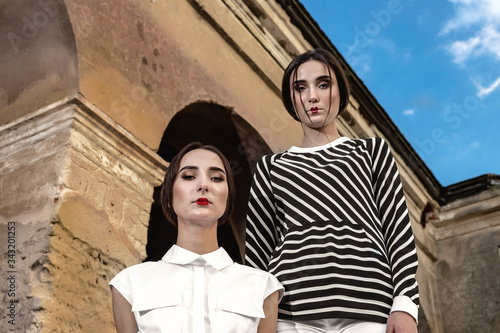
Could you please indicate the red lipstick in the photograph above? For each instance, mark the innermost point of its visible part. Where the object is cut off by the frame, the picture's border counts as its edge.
(202, 201)
(314, 109)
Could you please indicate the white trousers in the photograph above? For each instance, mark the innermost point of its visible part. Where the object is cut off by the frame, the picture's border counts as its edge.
(329, 326)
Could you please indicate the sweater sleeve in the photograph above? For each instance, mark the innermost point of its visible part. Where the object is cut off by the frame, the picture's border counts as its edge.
(261, 233)
(396, 228)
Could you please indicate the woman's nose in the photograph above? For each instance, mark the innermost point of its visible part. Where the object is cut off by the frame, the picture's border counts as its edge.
(313, 97)
(203, 187)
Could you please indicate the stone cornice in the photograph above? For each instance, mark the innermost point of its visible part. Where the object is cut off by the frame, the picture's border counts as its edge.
(467, 215)
(106, 133)
(76, 113)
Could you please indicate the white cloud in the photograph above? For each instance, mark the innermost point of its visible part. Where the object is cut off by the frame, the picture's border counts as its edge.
(486, 41)
(485, 91)
(461, 50)
(409, 112)
(483, 18)
(473, 12)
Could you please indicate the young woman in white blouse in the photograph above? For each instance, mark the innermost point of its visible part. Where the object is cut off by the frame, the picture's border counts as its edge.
(196, 287)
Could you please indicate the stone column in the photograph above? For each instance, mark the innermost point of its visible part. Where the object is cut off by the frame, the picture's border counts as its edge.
(75, 192)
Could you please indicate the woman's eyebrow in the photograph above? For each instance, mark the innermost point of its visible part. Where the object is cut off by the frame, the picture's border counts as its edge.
(194, 167)
(323, 77)
(294, 83)
(319, 78)
(217, 169)
(188, 167)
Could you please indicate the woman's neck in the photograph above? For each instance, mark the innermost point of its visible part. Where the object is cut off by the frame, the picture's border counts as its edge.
(317, 137)
(197, 239)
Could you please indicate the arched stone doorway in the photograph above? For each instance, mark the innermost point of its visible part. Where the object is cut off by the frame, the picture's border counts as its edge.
(212, 124)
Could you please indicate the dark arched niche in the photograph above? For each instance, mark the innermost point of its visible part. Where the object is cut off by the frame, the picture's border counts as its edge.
(212, 124)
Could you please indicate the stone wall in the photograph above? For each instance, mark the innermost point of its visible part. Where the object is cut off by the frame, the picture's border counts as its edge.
(79, 189)
(467, 264)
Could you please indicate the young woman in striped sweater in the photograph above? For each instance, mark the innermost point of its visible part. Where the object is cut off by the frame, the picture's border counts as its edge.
(329, 218)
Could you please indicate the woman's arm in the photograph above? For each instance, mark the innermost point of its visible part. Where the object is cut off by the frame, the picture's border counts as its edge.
(261, 233)
(122, 313)
(396, 228)
(268, 324)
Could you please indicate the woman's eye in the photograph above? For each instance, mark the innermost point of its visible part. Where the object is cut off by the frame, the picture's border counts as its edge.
(299, 88)
(324, 85)
(217, 179)
(187, 177)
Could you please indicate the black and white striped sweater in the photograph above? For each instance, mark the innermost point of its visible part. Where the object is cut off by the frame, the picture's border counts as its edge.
(331, 223)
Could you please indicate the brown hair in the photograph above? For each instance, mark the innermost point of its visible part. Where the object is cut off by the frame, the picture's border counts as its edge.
(171, 175)
(331, 63)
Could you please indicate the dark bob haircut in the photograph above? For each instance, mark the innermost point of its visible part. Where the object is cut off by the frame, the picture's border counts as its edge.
(331, 63)
(173, 171)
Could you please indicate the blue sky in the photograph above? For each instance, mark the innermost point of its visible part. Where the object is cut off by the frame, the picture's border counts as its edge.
(434, 66)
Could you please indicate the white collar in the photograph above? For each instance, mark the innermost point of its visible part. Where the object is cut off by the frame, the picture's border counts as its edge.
(218, 259)
(335, 142)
